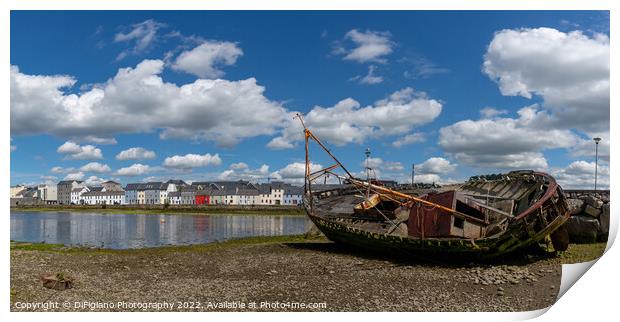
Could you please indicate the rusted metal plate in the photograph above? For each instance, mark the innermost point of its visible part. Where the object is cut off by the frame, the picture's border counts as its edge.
(425, 221)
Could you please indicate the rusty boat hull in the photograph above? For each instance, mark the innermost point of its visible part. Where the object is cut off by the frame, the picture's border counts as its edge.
(514, 211)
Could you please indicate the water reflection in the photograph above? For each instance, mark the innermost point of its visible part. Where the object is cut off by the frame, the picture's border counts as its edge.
(135, 231)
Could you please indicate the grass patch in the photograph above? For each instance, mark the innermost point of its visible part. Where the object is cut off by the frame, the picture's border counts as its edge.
(579, 253)
(168, 249)
(35, 246)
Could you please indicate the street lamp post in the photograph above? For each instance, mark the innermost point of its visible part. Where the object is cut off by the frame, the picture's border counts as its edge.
(596, 140)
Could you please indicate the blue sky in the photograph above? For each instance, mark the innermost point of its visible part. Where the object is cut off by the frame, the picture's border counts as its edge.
(475, 92)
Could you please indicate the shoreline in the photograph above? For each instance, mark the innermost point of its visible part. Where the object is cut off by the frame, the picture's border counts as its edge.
(172, 210)
(234, 242)
(577, 253)
(285, 269)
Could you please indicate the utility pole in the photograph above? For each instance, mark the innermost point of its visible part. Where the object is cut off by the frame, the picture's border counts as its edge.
(596, 140)
(367, 153)
(412, 174)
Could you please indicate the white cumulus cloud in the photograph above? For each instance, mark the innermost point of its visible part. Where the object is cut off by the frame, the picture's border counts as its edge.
(137, 169)
(294, 172)
(136, 153)
(409, 139)
(95, 167)
(349, 122)
(94, 181)
(435, 165)
(570, 71)
(370, 46)
(580, 175)
(190, 161)
(241, 171)
(206, 59)
(75, 151)
(504, 143)
(138, 100)
(74, 176)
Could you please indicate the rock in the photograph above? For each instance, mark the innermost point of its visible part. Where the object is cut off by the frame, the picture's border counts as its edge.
(593, 201)
(582, 229)
(575, 206)
(604, 221)
(592, 211)
(58, 281)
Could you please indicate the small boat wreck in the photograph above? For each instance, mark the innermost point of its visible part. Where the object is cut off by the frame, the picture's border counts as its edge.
(478, 219)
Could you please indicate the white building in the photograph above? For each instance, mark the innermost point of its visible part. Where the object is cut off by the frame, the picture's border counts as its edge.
(247, 197)
(15, 190)
(64, 189)
(48, 193)
(293, 196)
(174, 197)
(76, 195)
(104, 197)
(272, 193)
(155, 193)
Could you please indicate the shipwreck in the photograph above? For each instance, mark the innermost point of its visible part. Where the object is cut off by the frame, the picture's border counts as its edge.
(481, 218)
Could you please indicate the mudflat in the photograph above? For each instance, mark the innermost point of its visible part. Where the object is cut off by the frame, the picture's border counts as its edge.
(282, 274)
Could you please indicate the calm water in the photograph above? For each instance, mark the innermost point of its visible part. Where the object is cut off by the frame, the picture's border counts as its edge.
(135, 231)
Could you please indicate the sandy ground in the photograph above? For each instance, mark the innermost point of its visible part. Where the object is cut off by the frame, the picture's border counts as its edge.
(320, 275)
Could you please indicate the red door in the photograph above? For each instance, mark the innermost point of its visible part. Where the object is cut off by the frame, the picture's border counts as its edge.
(200, 199)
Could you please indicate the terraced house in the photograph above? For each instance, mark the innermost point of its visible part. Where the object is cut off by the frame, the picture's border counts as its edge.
(64, 189)
(110, 193)
(177, 192)
(151, 193)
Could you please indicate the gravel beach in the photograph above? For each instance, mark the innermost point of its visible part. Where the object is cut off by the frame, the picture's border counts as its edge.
(263, 275)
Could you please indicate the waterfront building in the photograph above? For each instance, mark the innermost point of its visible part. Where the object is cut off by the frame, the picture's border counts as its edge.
(48, 193)
(188, 195)
(15, 190)
(177, 192)
(292, 195)
(174, 198)
(217, 197)
(272, 193)
(76, 195)
(64, 189)
(104, 197)
(131, 193)
(247, 196)
(203, 197)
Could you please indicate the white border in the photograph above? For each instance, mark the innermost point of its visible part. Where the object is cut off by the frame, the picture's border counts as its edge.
(591, 298)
